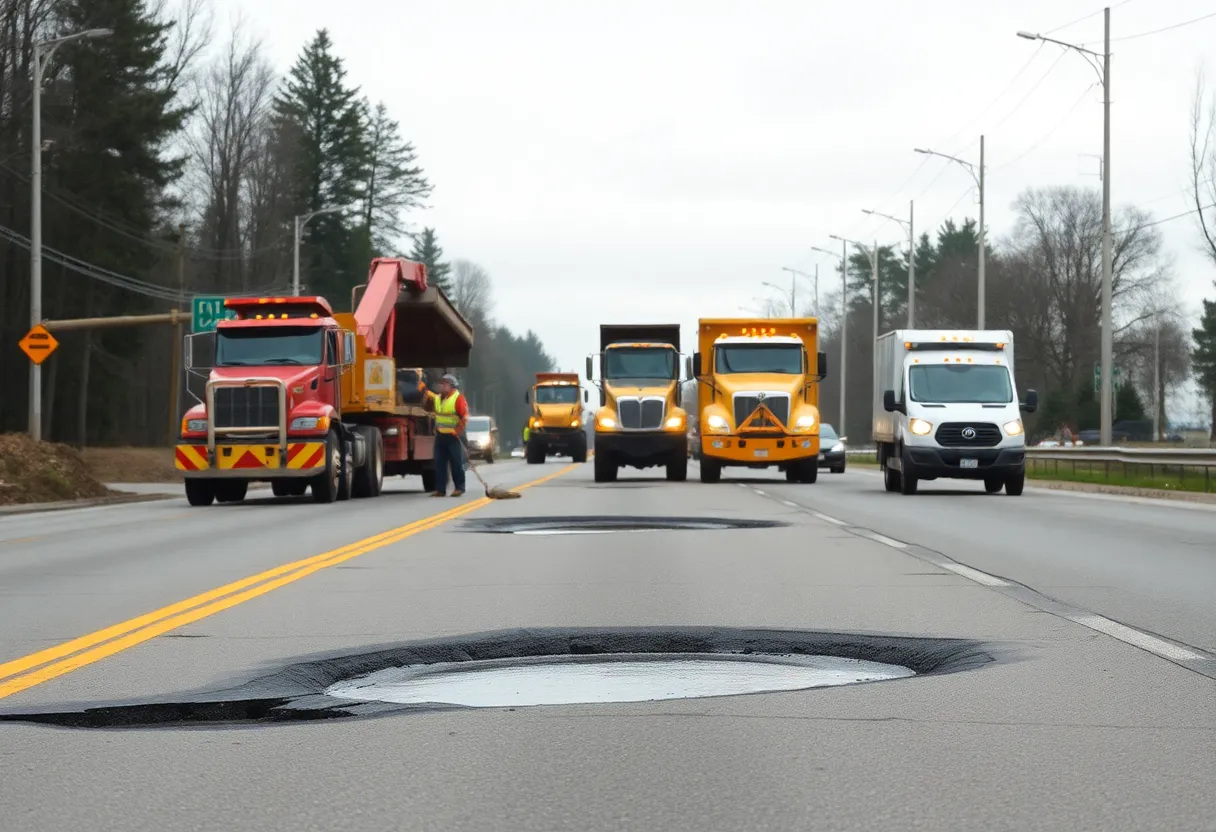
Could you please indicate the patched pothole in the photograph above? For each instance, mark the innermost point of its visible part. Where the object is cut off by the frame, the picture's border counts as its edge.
(541, 667)
(609, 524)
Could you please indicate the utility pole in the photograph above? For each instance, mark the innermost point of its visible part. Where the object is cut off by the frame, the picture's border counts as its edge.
(1157, 379)
(43, 50)
(983, 245)
(816, 290)
(911, 264)
(874, 340)
(175, 389)
(300, 221)
(844, 327)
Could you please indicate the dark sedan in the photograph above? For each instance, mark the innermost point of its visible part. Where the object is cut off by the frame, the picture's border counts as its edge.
(831, 450)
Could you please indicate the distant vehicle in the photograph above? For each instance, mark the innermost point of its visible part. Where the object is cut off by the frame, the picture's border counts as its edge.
(949, 408)
(555, 426)
(832, 452)
(481, 434)
(517, 452)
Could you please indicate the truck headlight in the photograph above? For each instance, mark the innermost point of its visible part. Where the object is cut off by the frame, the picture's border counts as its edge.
(675, 422)
(1013, 428)
(606, 422)
(195, 425)
(575, 423)
(920, 427)
(805, 422)
(310, 423)
(716, 422)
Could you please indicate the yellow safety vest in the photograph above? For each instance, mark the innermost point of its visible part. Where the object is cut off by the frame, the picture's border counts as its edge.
(526, 434)
(446, 420)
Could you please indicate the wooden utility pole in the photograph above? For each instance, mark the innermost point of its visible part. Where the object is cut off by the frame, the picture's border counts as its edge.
(175, 391)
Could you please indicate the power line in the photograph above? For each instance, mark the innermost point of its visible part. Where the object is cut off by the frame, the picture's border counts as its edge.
(1050, 132)
(1165, 28)
(1085, 17)
(1030, 92)
(1175, 217)
(999, 95)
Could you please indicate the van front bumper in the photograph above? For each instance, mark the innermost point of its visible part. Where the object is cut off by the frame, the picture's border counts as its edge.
(948, 463)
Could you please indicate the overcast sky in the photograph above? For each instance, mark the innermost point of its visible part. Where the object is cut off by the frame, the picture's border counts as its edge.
(657, 161)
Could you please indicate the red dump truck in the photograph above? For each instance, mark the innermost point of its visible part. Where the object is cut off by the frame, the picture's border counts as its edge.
(305, 398)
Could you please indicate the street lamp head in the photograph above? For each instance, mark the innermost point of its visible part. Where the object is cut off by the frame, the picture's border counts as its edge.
(97, 33)
(920, 150)
(1028, 35)
(866, 211)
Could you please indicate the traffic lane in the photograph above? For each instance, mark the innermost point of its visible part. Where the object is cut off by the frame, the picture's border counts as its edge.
(74, 571)
(1060, 733)
(1151, 566)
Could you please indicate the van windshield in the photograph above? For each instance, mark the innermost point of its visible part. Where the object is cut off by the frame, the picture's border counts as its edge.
(950, 383)
(478, 424)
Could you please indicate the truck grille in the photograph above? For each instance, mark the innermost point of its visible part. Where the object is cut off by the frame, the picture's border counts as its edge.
(638, 414)
(745, 405)
(246, 407)
(968, 435)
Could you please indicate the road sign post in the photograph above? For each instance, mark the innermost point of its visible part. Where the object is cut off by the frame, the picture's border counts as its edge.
(38, 344)
(207, 311)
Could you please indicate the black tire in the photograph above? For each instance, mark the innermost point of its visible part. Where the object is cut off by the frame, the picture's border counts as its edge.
(891, 479)
(325, 484)
(489, 456)
(369, 480)
(535, 453)
(605, 468)
(346, 479)
(296, 488)
(281, 488)
(677, 469)
(808, 471)
(711, 471)
(839, 470)
(791, 473)
(993, 484)
(231, 491)
(428, 480)
(200, 492)
(579, 454)
(907, 483)
(1015, 484)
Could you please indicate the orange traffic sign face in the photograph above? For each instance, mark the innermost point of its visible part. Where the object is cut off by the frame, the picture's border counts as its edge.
(38, 344)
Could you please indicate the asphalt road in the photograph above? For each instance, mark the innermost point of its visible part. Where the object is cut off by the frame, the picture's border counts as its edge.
(1067, 727)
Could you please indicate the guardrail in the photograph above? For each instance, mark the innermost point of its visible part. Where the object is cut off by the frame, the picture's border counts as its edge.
(1188, 457)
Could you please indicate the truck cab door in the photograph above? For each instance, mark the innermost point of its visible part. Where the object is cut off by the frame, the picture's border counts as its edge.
(332, 376)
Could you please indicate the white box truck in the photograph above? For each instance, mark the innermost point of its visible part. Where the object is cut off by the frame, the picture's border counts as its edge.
(946, 406)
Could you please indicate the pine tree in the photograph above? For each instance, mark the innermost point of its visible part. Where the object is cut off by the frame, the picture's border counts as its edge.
(428, 252)
(395, 182)
(326, 118)
(1204, 356)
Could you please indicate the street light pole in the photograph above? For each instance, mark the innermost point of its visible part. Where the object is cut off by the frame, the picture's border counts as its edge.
(43, 50)
(1157, 378)
(978, 176)
(794, 273)
(873, 257)
(301, 221)
(1101, 64)
(844, 322)
(911, 256)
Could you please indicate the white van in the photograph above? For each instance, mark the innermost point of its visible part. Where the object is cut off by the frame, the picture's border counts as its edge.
(946, 406)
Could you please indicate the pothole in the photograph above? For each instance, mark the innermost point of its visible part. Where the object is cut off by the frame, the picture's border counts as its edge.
(626, 677)
(540, 667)
(609, 524)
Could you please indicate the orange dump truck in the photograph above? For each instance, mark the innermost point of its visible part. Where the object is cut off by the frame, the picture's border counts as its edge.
(555, 425)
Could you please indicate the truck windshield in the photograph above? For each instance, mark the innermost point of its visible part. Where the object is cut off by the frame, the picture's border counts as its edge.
(947, 384)
(557, 394)
(261, 347)
(758, 358)
(640, 363)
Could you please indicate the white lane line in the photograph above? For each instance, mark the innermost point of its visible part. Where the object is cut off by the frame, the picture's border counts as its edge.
(761, 493)
(887, 541)
(973, 574)
(1135, 638)
(829, 519)
(790, 503)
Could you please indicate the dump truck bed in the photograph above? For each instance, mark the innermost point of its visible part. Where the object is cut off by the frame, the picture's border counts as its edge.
(429, 331)
(643, 333)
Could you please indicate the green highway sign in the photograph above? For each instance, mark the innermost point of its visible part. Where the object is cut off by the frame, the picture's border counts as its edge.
(1116, 378)
(206, 312)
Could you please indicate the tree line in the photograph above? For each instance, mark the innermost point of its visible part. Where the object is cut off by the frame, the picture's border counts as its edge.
(173, 166)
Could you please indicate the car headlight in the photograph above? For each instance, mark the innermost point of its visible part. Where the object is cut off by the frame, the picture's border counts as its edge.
(920, 427)
(838, 448)
(606, 422)
(805, 422)
(1013, 428)
(716, 422)
(310, 423)
(675, 422)
(195, 425)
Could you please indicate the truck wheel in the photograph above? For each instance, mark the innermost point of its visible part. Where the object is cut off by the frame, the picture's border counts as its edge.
(325, 484)
(1015, 484)
(346, 479)
(428, 480)
(711, 470)
(535, 453)
(808, 471)
(369, 480)
(280, 488)
(579, 454)
(231, 491)
(890, 479)
(489, 456)
(200, 492)
(791, 474)
(677, 469)
(605, 468)
(907, 482)
(993, 484)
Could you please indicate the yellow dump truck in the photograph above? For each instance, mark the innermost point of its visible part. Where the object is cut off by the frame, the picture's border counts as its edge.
(758, 390)
(640, 423)
(556, 423)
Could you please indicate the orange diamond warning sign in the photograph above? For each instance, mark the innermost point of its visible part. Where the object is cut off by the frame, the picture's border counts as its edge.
(38, 344)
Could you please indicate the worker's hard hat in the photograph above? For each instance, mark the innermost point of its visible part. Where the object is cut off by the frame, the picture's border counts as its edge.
(450, 379)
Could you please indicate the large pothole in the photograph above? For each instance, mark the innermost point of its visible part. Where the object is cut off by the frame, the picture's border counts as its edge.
(609, 524)
(540, 667)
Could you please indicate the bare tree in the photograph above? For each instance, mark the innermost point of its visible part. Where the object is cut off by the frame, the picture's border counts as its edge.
(471, 289)
(189, 34)
(1203, 164)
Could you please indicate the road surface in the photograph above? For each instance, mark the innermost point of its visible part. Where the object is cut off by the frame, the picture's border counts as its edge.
(1073, 720)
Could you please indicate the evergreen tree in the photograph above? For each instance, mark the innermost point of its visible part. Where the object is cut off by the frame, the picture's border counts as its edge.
(1204, 356)
(1128, 405)
(332, 157)
(428, 252)
(395, 182)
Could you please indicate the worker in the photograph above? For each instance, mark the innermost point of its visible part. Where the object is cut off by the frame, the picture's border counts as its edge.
(527, 433)
(451, 415)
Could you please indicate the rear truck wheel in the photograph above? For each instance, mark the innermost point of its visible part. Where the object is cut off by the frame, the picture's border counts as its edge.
(677, 469)
(200, 492)
(296, 488)
(231, 491)
(346, 478)
(579, 454)
(534, 453)
(890, 479)
(1015, 484)
(428, 480)
(993, 484)
(791, 475)
(325, 484)
(369, 480)
(711, 470)
(808, 471)
(281, 488)
(605, 468)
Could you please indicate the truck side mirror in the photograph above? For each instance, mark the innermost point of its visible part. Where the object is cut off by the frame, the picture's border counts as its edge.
(1032, 401)
(590, 375)
(586, 396)
(821, 363)
(527, 397)
(889, 404)
(696, 365)
(688, 366)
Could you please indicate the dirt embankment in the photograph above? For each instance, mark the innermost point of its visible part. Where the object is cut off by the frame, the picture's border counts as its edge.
(43, 472)
(118, 465)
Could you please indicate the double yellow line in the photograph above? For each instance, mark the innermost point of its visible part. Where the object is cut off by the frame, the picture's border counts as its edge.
(26, 672)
